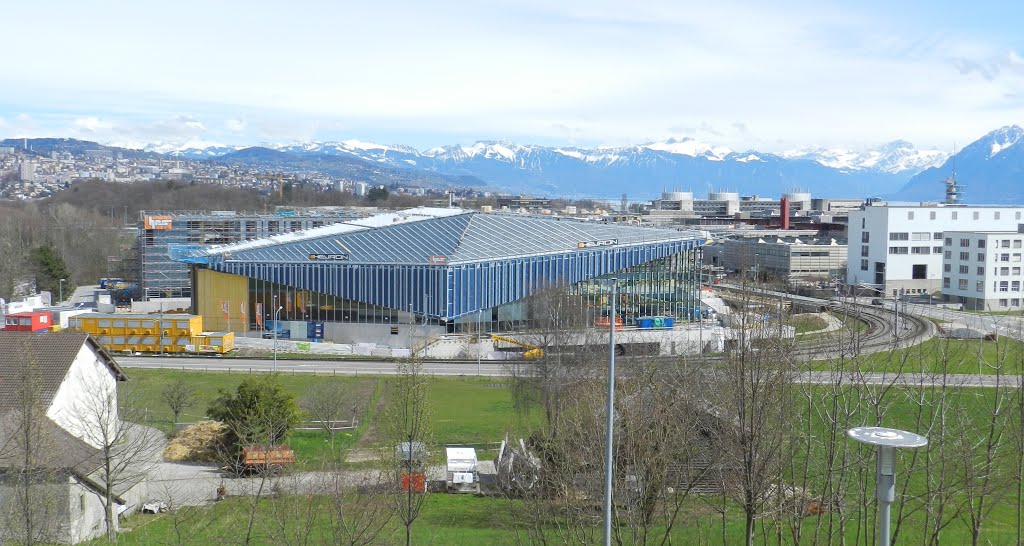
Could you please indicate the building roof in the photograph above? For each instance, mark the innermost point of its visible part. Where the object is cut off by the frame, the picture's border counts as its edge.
(439, 236)
(52, 354)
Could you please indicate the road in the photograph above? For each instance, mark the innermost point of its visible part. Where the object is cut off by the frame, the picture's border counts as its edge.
(504, 369)
(320, 367)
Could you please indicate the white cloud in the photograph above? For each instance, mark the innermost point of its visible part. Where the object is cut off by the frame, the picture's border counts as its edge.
(576, 71)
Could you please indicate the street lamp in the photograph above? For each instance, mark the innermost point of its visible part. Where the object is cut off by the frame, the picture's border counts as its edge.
(277, 315)
(60, 287)
(479, 338)
(886, 440)
(610, 431)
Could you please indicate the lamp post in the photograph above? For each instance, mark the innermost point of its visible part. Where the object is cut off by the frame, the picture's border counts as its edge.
(60, 288)
(479, 338)
(886, 440)
(610, 431)
(277, 316)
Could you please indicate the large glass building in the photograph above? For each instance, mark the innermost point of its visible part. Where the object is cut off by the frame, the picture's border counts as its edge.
(455, 269)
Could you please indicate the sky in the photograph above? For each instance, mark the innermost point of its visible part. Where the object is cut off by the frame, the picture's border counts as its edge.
(767, 76)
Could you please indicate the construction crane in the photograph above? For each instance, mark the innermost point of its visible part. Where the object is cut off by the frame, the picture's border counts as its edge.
(533, 352)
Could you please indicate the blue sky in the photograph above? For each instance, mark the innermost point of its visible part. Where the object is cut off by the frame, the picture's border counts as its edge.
(749, 75)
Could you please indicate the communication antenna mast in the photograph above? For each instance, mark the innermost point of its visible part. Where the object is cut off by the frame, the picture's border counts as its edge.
(953, 189)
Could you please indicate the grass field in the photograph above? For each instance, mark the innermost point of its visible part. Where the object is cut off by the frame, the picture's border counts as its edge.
(807, 323)
(954, 356)
(479, 411)
(465, 411)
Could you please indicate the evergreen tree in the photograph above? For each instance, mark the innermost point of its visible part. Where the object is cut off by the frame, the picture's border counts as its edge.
(49, 268)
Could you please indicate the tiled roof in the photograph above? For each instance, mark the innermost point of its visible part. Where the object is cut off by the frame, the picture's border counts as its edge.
(42, 357)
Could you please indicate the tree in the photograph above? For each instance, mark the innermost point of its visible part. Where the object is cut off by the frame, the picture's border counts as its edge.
(28, 465)
(107, 422)
(407, 420)
(49, 268)
(377, 194)
(179, 396)
(259, 411)
(325, 403)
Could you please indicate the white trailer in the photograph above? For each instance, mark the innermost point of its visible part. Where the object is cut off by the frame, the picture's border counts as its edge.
(462, 475)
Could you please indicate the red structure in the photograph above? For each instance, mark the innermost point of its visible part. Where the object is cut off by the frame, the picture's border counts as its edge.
(31, 321)
(784, 212)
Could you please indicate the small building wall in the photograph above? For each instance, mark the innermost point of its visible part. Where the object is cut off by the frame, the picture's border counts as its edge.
(89, 382)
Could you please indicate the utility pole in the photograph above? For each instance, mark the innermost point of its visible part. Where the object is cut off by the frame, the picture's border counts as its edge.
(610, 425)
(479, 338)
(60, 288)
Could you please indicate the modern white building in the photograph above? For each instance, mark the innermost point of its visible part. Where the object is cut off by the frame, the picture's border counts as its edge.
(982, 270)
(899, 247)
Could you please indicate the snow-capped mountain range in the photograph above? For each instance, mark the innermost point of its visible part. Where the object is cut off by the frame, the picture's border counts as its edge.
(643, 170)
(895, 157)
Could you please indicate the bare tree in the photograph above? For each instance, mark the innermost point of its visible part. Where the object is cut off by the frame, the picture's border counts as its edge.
(179, 396)
(126, 447)
(29, 465)
(325, 403)
(406, 425)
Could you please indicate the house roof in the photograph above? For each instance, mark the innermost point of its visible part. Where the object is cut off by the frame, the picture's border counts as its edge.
(51, 354)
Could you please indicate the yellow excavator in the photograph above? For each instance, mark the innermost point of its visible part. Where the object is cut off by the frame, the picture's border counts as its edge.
(533, 352)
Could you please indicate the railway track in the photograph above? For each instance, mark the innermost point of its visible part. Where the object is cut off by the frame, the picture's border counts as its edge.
(881, 335)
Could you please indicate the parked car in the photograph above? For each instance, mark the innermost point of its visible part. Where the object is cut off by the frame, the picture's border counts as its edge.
(877, 301)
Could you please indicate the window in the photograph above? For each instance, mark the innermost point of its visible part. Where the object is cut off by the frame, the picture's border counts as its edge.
(981, 243)
(1005, 243)
(1017, 214)
(945, 282)
(864, 250)
(1016, 271)
(965, 256)
(937, 236)
(946, 268)
(948, 254)
(898, 250)
(954, 215)
(1004, 286)
(964, 269)
(920, 236)
(863, 265)
(981, 271)
(949, 241)
(921, 250)
(1002, 303)
(979, 286)
(1016, 302)
(1016, 256)
(897, 236)
(81, 502)
(1016, 243)
(931, 215)
(977, 215)
(1004, 257)
(1015, 286)
(937, 249)
(920, 271)
(910, 215)
(1004, 271)
(863, 223)
(963, 284)
(965, 243)
(865, 237)
(995, 215)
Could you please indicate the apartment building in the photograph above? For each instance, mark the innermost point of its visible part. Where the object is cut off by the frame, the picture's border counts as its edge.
(898, 248)
(982, 270)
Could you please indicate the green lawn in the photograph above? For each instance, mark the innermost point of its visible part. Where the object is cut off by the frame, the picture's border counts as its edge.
(807, 323)
(954, 356)
(479, 411)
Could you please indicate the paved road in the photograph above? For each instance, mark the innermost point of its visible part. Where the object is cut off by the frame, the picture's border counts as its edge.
(320, 367)
(499, 369)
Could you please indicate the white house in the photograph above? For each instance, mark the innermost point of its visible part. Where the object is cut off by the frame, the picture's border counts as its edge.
(49, 453)
(982, 270)
(899, 247)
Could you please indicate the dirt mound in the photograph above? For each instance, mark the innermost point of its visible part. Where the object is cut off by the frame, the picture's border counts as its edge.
(198, 442)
